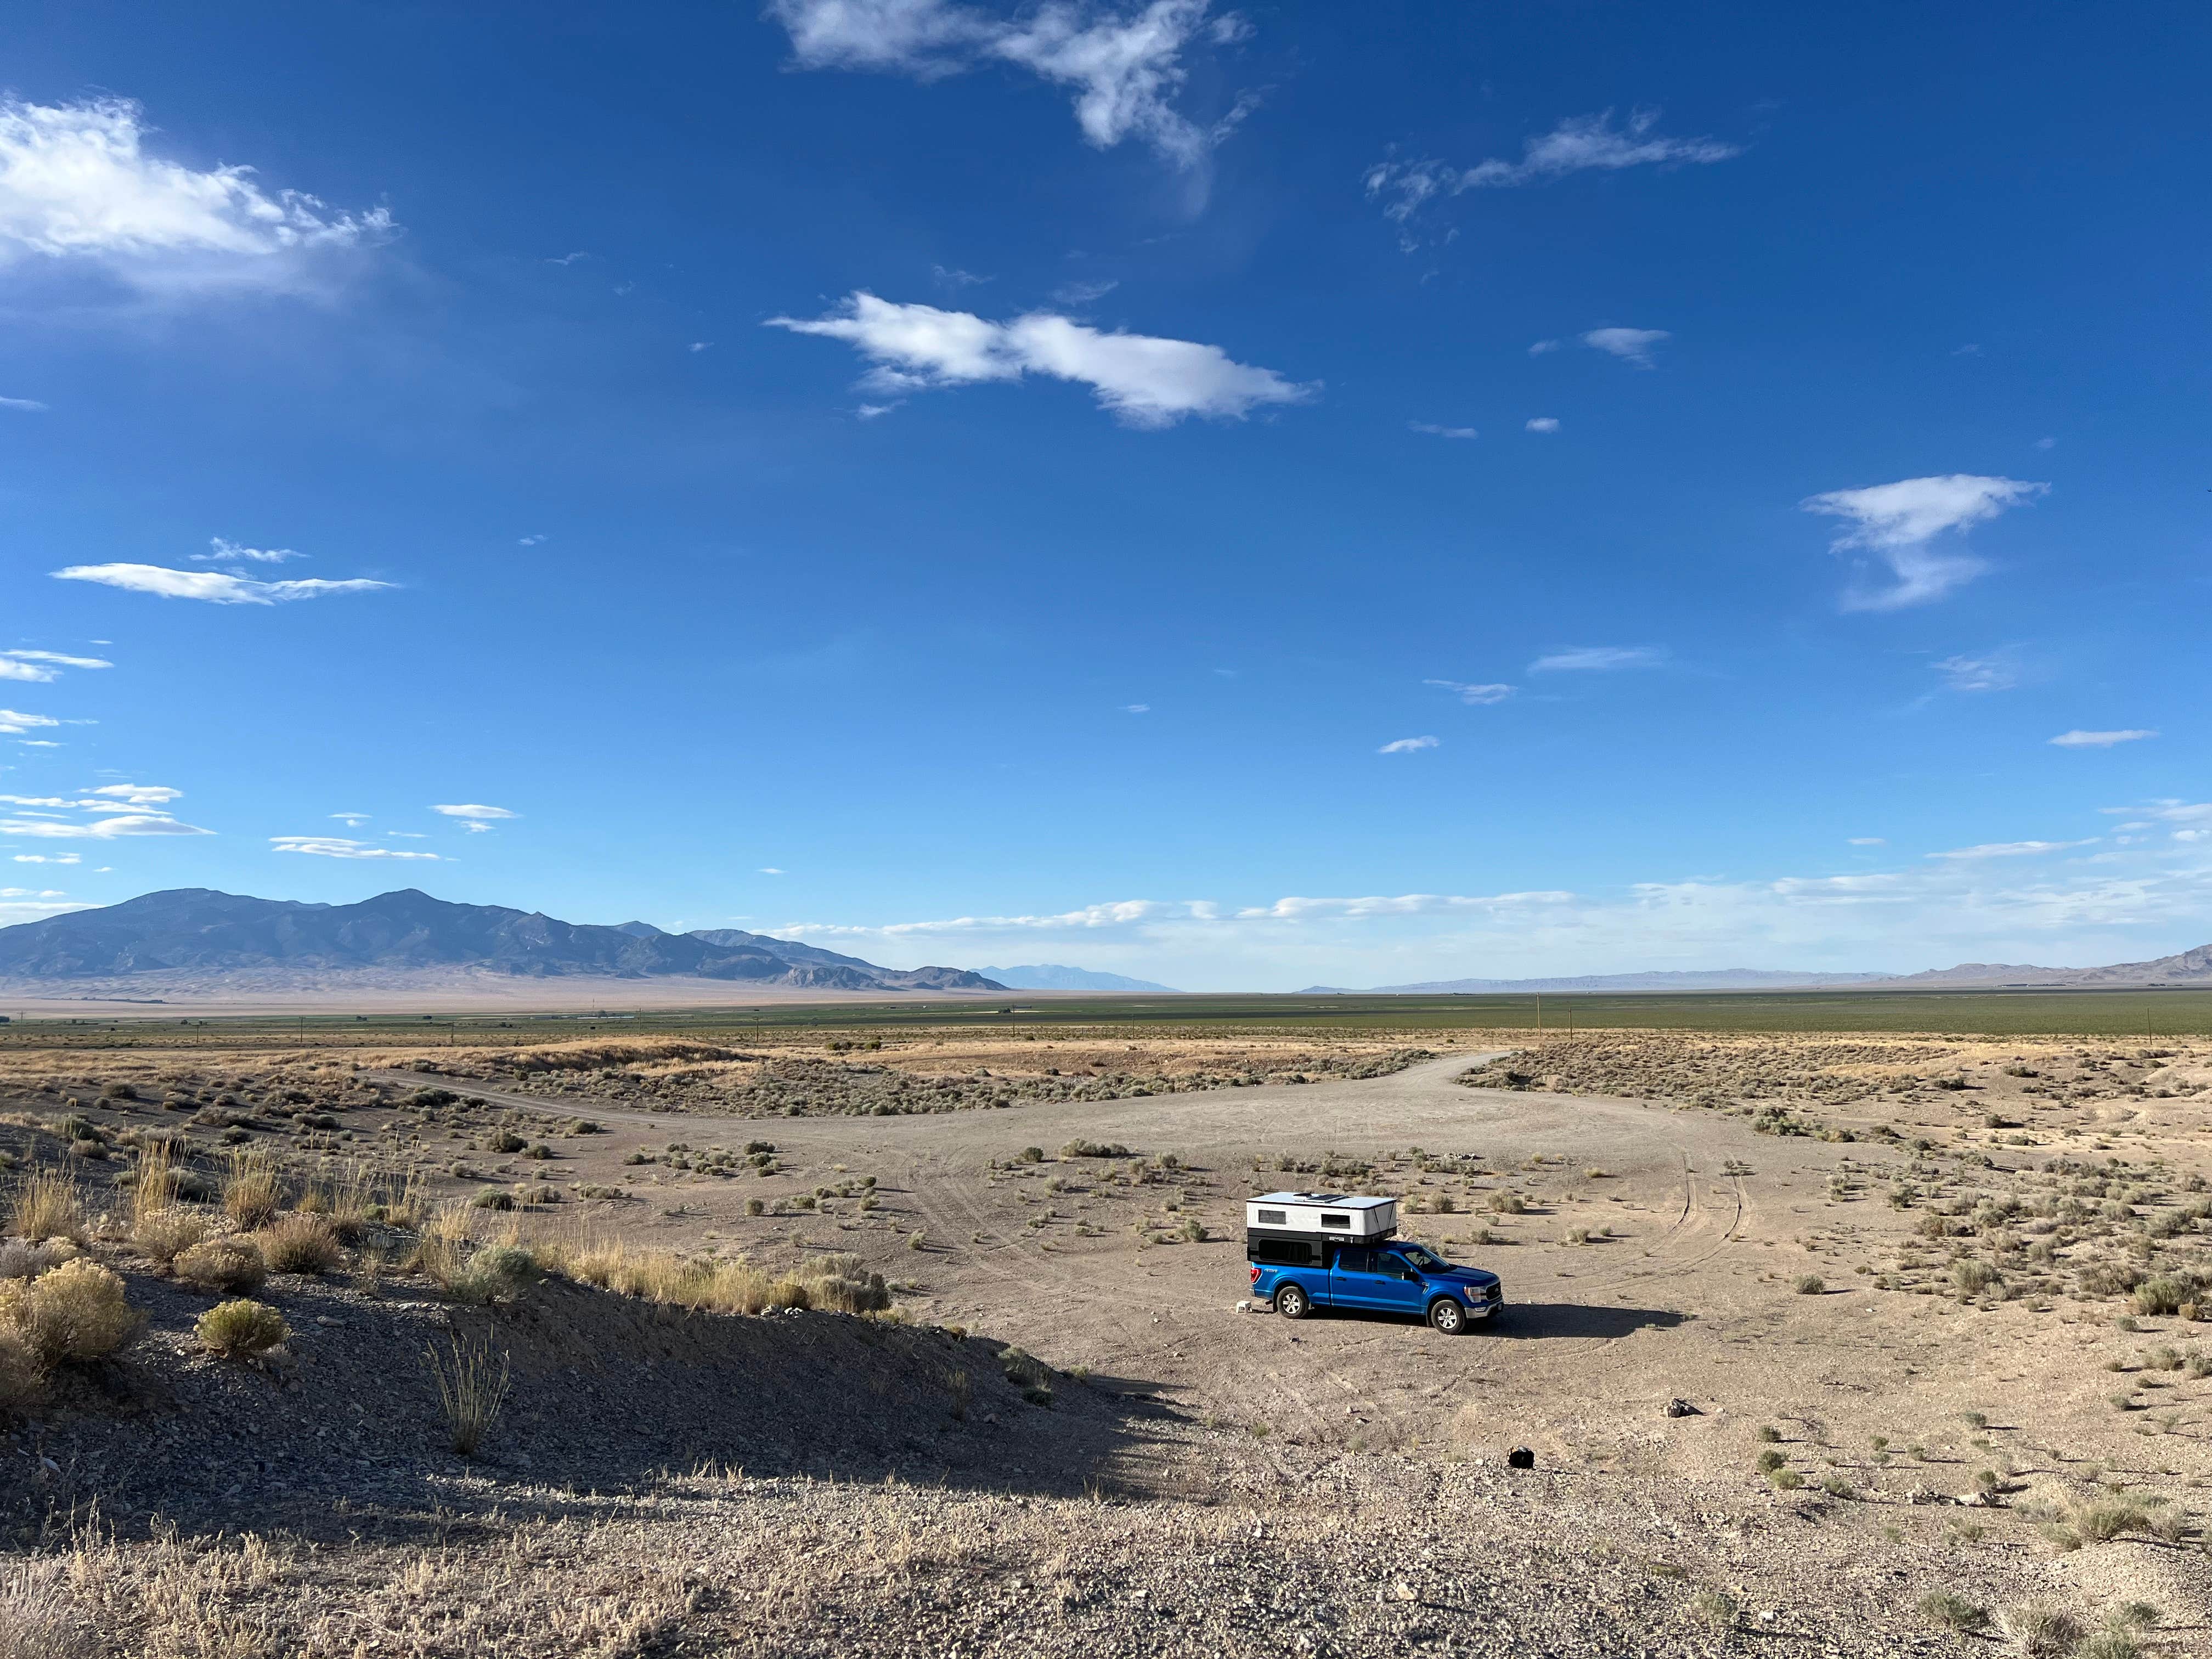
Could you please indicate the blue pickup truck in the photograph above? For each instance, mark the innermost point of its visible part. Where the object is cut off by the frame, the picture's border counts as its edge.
(1395, 1277)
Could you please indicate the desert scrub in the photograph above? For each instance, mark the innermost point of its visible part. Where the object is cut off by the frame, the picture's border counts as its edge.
(163, 1235)
(73, 1313)
(251, 1197)
(470, 1392)
(1952, 1612)
(836, 1282)
(223, 1264)
(2042, 1631)
(46, 1206)
(1808, 1284)
(496, 1273)
(297, 1243)
(240, 1329)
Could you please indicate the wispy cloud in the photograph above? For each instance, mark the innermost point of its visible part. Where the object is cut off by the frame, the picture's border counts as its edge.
(1543, 424)
(14, 722)
(225, 552)
(1435, 431)
(1900, 523)
(23, 405)
(338, 847)
(1145, 380)
(49, 858)
(1125, 66)
(1472, 694)
(1995, 670)
(77, 188)
(1868, 840)
(2100, 740)
(2012, 849)
(213, 586)
(1409, 745)
(1580, 143)
(476, 820)
(100, 814)
(1600, 660)
(42, 667)
(1136, 708)
(1631, 345)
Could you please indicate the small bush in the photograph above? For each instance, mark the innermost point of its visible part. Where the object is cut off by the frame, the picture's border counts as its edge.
(1714, 1607)
(2042, 1631)
(505, 1141)
(1952, 1612)
(297, 1243)
(74, 1313)
(1508, 1204)
(163, 1236)
(494, 1272)
(2160, 1296)
(223, 1264)
(493, 1198)
(22, 1261)
(1194, 1230)
(1770, 1460)
(470, 1390)
(1808, 1284)
(240, 1329)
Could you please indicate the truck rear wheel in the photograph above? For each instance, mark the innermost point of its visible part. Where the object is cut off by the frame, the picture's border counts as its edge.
(1447, 1316)
(1292, 1303)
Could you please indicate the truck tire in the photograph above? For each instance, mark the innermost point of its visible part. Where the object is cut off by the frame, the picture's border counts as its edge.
(1292, 1303)
(1447, 1316)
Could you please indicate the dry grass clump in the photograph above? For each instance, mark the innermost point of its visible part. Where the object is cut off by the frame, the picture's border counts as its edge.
(1953, 1611)
(297, 1243)
(2042, 1631)
(37, 1615)
(46, 1206)
(496, 1273)
(250, 1198)
(165, 1234)
(838, 1283)
(470, 1390)
(240, 1329)
(73, 1313)
(21, 1260)
(223, 1264)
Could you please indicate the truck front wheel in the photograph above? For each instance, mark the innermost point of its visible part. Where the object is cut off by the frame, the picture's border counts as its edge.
(1447, 1316)
(1292, 1303)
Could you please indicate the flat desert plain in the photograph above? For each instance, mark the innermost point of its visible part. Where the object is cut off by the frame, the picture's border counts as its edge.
(1866, 1344)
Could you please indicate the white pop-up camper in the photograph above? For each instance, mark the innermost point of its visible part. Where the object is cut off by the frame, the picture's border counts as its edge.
(1296, 1228)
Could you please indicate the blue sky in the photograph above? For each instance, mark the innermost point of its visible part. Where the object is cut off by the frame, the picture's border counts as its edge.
(1245, 498)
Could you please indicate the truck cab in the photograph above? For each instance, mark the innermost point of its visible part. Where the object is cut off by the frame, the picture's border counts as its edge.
(1308, 1250)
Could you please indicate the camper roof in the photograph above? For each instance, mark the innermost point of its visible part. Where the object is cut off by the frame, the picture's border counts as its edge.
(1333, 1200)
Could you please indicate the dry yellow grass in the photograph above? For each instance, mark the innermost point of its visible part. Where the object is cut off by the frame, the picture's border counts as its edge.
(47, 1206)
(74, 1313)
(251, 1197)
(713, 1284)
(166, 1234)
(152, 1190)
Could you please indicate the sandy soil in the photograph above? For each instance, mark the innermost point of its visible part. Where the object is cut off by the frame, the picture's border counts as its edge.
(1769, 1232)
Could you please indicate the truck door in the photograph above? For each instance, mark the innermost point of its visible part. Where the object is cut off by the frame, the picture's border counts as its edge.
(1353, 1281)
(1397, 1286)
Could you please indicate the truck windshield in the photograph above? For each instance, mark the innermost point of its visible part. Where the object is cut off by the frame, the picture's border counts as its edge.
(1422, 1260)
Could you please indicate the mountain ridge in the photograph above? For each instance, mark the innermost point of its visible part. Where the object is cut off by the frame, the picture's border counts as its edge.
(2182, 968)
(199, 928)
(1059, 977)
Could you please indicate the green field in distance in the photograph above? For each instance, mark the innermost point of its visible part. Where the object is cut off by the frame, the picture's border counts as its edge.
(2147, 1014)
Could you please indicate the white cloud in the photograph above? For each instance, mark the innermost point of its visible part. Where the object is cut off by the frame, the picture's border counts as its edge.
(1580, 143)
(1998, 671)
(1868, 840)
(133, 823)
(1543, 424)
(77, 188)
(1898, 523)
(1600, 660)
(699, 345)
(2012, 849)
(1542, 347)
(1632, 345)
(338, 847)
(14, 722)
(1408, 745)
(2099, 739)
(1136, 708)
(49, 858)
(1125, 67)
(1475, 695)
(351, 820)
(1442, 431)
(215, 586)
(24, 405)
(530, 541)
(225, 552)
(770, 870)
(1082, 294)
(476, 811)
(135, 794)
(1145, 380)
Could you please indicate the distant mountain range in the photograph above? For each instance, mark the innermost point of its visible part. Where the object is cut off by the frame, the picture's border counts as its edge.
(200, 929)
(2185, 968)
(1057, 977)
